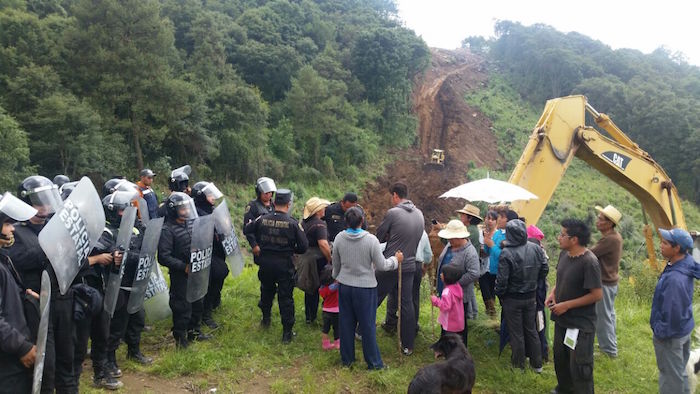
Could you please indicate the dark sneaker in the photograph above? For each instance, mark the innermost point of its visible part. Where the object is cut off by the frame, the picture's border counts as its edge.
(211, 323)
(265, 322)
(139, 358)
(107, 382)
(287, 336)
(406, 351)
(181, 343)
(389, 329)
(112, 369)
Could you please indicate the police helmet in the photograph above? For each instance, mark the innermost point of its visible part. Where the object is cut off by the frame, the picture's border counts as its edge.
(180, 206)
(264, 185)
(115, 184)
(66, 189)
(60, 179)
(39, 191)
(179, 179)
(13, 209)
(114, 204)
(203, 191)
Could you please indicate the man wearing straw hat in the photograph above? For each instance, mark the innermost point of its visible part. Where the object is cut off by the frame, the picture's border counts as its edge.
(608, 250)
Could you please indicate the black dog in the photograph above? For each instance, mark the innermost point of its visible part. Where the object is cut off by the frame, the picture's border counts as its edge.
(454, 375)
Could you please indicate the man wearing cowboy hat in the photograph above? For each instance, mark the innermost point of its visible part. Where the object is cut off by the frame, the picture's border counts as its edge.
(609, 251)
(469, 215)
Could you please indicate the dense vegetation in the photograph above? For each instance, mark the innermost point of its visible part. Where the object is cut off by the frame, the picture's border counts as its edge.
(236, 88)
(654, 98)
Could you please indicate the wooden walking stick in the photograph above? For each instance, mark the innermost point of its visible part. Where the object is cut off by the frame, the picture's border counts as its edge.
(398, 327)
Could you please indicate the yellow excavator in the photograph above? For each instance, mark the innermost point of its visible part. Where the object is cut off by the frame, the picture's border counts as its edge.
(561, 133)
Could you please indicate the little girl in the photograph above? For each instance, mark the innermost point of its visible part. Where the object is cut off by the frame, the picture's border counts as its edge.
(450, 302)
(329, 292)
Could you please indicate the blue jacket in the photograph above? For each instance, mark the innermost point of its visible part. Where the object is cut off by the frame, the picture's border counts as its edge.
(672, 306)
(495, 251)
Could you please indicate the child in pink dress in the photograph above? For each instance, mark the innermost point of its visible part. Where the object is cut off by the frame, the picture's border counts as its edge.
(450, 301)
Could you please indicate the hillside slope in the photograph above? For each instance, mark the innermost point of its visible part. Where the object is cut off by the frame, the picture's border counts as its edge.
(445, 122)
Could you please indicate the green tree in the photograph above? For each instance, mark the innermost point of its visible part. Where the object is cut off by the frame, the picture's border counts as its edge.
(14, 151)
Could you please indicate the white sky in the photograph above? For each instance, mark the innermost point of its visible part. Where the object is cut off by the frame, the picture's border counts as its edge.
(645, 26)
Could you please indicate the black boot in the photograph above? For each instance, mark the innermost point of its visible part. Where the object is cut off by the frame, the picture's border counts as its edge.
(180, 340)
(111, 368)
(197, 335)
(136, 355)
(287, 335)
(265, 322)
(208, 320)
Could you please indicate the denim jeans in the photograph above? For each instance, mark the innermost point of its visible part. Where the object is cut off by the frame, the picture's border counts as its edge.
(671, 357)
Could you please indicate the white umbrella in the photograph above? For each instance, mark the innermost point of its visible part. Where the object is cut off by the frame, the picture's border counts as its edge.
(489, 190)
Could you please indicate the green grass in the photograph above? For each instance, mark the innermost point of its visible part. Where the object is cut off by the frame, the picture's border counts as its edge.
(245, 358)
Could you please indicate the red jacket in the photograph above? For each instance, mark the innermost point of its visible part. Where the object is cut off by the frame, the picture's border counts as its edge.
(330, 297)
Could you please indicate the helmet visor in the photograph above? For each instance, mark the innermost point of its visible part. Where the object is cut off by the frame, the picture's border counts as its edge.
(210, 190)
(266, 185)
(15, 208)
(123, 199)
(187, 170)
(46, 197)
(66, 189)
(185, 209)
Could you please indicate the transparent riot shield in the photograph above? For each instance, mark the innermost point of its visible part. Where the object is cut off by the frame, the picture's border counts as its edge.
(44, 301)
(143, 211)
(200, 258)
(147, 259)
(114, 280)
(72, 232)
(157, 305)
(227, 236)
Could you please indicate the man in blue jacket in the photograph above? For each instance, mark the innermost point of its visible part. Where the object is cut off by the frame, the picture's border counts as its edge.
(672, 310)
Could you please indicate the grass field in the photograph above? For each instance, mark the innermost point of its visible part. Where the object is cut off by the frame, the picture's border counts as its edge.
(246, 358)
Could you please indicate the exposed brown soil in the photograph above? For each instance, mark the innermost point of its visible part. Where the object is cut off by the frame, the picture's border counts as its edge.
(445, 122)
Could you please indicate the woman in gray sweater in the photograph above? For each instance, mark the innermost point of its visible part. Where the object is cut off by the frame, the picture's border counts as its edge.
(356, 254)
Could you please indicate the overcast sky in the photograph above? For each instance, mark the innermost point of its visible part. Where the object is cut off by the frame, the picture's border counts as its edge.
(644, 26)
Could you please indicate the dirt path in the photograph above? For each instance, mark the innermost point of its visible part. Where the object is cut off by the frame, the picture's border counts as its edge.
(445, 122)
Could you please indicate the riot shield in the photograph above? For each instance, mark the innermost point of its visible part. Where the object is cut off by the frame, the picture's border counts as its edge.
(72, 232)
(200, 258)
(115, 279)
(147, 258)
(143, 211)
(227, 237)
(157, 304)
(44, 301)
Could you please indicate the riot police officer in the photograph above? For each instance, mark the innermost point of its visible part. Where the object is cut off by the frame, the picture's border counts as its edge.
(277, 237)
(17, 350)
(174, 253)
(205, 195)
(60, 179)
(179, 181)
(264, 189)
(114, 206)
(30, 261)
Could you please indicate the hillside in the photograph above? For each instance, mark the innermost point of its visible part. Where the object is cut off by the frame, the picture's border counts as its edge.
(446, 122)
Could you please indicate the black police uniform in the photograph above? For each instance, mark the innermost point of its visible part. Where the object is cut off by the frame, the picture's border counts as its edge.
(97, 328)
(279, 237)
(335, 219)
(30, 260)
(218, 272)
(125, 325)
(174, 253)
(17, 338)
(254, 210)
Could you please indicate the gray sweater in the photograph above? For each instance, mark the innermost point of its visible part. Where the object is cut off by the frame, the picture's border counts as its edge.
(467, 260)
(355, 256)
(402, 229)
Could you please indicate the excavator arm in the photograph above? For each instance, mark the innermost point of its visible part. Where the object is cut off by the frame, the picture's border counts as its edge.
(561, 134)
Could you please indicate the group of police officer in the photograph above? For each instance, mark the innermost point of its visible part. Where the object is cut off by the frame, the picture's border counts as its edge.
(87, 309)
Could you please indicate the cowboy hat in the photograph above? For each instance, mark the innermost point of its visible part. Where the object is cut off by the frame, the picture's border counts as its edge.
(454, 229)
(471, 210)
(313, 205)
(611, 213)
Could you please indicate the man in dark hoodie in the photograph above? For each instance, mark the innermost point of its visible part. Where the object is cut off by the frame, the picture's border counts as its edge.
(520, 266)
(401, 229)
(672, 310)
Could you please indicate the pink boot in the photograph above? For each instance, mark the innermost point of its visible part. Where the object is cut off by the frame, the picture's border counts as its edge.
(336, 344)
(326, 344)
